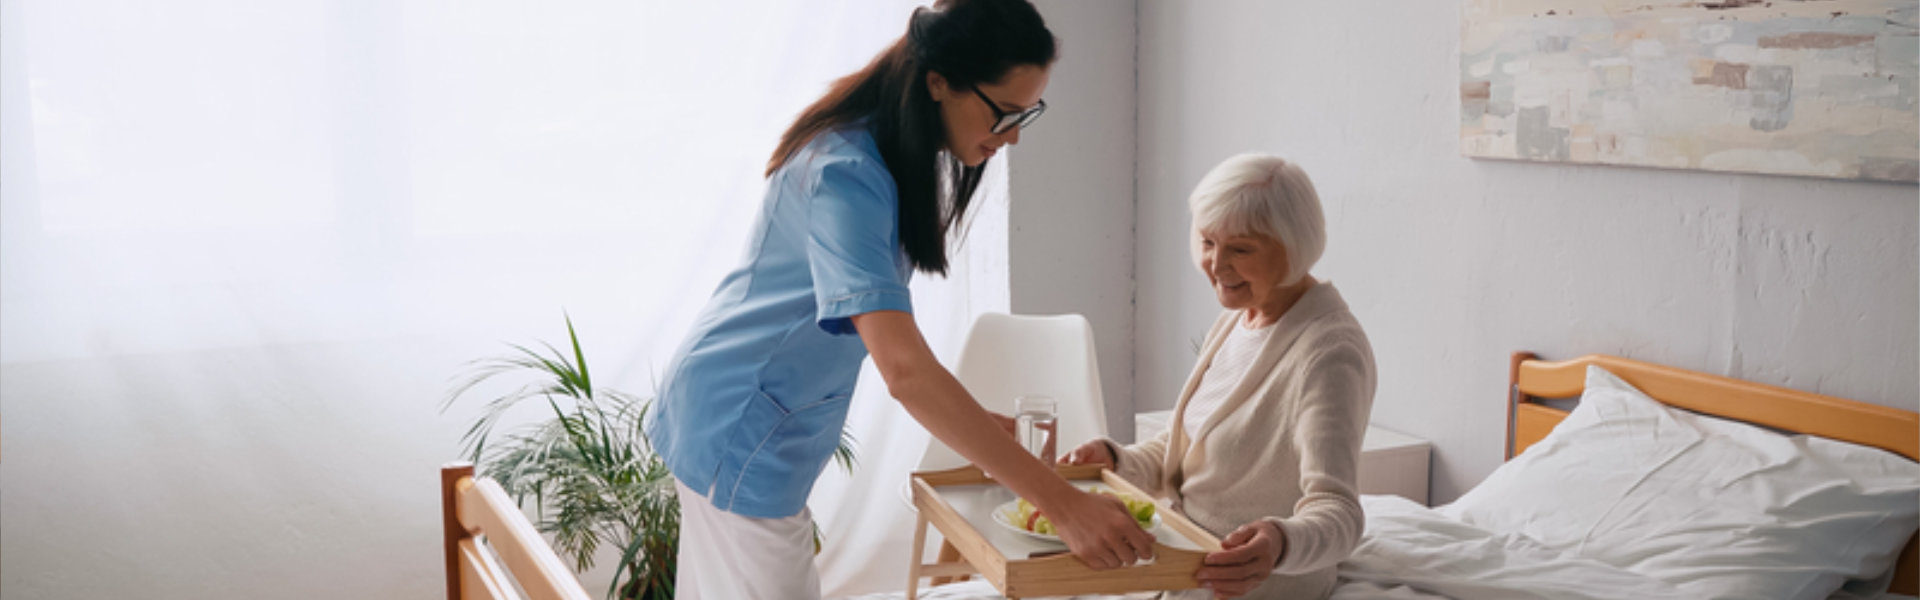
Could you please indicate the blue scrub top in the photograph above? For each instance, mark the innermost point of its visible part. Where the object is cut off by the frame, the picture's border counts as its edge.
(756, 397)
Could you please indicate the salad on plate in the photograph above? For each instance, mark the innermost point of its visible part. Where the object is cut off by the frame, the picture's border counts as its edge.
(1023, 517)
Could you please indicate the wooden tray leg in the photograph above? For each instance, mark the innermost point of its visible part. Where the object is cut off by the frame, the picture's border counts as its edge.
(919, 549)
(948, 554)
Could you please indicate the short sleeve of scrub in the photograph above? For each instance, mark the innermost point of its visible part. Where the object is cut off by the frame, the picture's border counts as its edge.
(853, 245)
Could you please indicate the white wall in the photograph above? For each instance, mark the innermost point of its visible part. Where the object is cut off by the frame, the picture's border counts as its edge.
(1452, 263)
(1071, 179)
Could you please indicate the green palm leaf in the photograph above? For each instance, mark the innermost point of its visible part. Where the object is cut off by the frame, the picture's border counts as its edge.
(588, 469)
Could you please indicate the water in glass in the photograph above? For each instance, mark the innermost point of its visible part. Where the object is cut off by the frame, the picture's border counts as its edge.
(1034, 424)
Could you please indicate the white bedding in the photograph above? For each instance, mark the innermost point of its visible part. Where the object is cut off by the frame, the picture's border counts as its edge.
(1720, 508)
(1410, 545)
(1411, 552)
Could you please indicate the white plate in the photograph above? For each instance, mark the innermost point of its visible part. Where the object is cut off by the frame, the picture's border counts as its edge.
(1006, 514)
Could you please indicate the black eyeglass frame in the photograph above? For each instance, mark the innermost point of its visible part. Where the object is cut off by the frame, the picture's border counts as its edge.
(1004, 121)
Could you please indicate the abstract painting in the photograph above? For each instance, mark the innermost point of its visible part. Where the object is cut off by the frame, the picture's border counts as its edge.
(1821, 88)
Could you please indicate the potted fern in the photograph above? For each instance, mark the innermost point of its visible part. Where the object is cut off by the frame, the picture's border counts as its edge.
(589, 470)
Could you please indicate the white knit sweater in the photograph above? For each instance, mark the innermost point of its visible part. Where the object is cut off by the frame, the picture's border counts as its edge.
(1285, 446)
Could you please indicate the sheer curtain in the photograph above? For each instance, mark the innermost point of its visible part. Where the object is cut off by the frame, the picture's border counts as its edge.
(244, 248)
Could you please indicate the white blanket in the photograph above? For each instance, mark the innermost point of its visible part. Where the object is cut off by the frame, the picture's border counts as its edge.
(1411, 552)
(1411, 545)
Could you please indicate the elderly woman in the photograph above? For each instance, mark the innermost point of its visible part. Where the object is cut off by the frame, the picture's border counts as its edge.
(1266, 434)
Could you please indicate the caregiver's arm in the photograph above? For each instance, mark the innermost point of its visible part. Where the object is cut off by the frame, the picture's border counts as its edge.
(1098, 529)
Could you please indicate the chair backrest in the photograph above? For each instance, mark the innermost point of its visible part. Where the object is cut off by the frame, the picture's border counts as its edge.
(472, 508)
(1007, 356)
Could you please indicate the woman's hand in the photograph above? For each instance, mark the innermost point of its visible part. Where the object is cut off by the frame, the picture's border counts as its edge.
(1246, 558)
(1100, 531)
(1096, 452)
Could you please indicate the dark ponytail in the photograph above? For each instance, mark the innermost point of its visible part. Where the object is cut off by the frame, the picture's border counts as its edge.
(969, 42)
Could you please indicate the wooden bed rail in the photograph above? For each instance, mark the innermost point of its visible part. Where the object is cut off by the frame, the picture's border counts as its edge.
(477, 515)
(1530, 379)
(1882, 427)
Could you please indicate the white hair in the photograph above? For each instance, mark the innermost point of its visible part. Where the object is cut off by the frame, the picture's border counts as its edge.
(1266, 195)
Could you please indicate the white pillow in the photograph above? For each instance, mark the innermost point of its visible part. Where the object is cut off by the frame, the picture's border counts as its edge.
(1719, 508)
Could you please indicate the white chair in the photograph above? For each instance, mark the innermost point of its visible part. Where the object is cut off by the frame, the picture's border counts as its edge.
(1008, 356)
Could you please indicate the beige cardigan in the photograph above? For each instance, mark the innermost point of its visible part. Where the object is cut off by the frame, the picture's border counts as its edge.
(1285, 446)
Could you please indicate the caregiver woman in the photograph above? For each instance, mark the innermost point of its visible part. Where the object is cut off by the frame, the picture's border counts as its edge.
(755, 398)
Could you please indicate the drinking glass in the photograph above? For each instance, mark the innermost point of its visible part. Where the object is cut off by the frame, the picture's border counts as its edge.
(1034, 424)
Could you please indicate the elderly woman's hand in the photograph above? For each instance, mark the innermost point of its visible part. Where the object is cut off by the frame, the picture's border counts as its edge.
(1246, 558)
(1096, 452)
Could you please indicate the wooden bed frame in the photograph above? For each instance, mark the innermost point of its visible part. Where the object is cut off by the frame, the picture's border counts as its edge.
(472, 508)
(1531, 380)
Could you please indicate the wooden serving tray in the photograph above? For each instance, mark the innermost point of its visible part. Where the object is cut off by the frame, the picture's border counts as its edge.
(1019, 567)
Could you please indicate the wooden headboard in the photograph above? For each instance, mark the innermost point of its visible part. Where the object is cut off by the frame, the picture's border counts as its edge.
(1531, 380)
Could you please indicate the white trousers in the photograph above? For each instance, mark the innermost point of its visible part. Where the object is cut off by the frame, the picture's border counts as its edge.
(724, 556)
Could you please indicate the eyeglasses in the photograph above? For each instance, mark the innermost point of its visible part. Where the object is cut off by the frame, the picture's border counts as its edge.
(1004, 121)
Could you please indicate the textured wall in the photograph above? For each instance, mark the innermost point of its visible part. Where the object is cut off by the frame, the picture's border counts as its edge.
(1451, 263)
